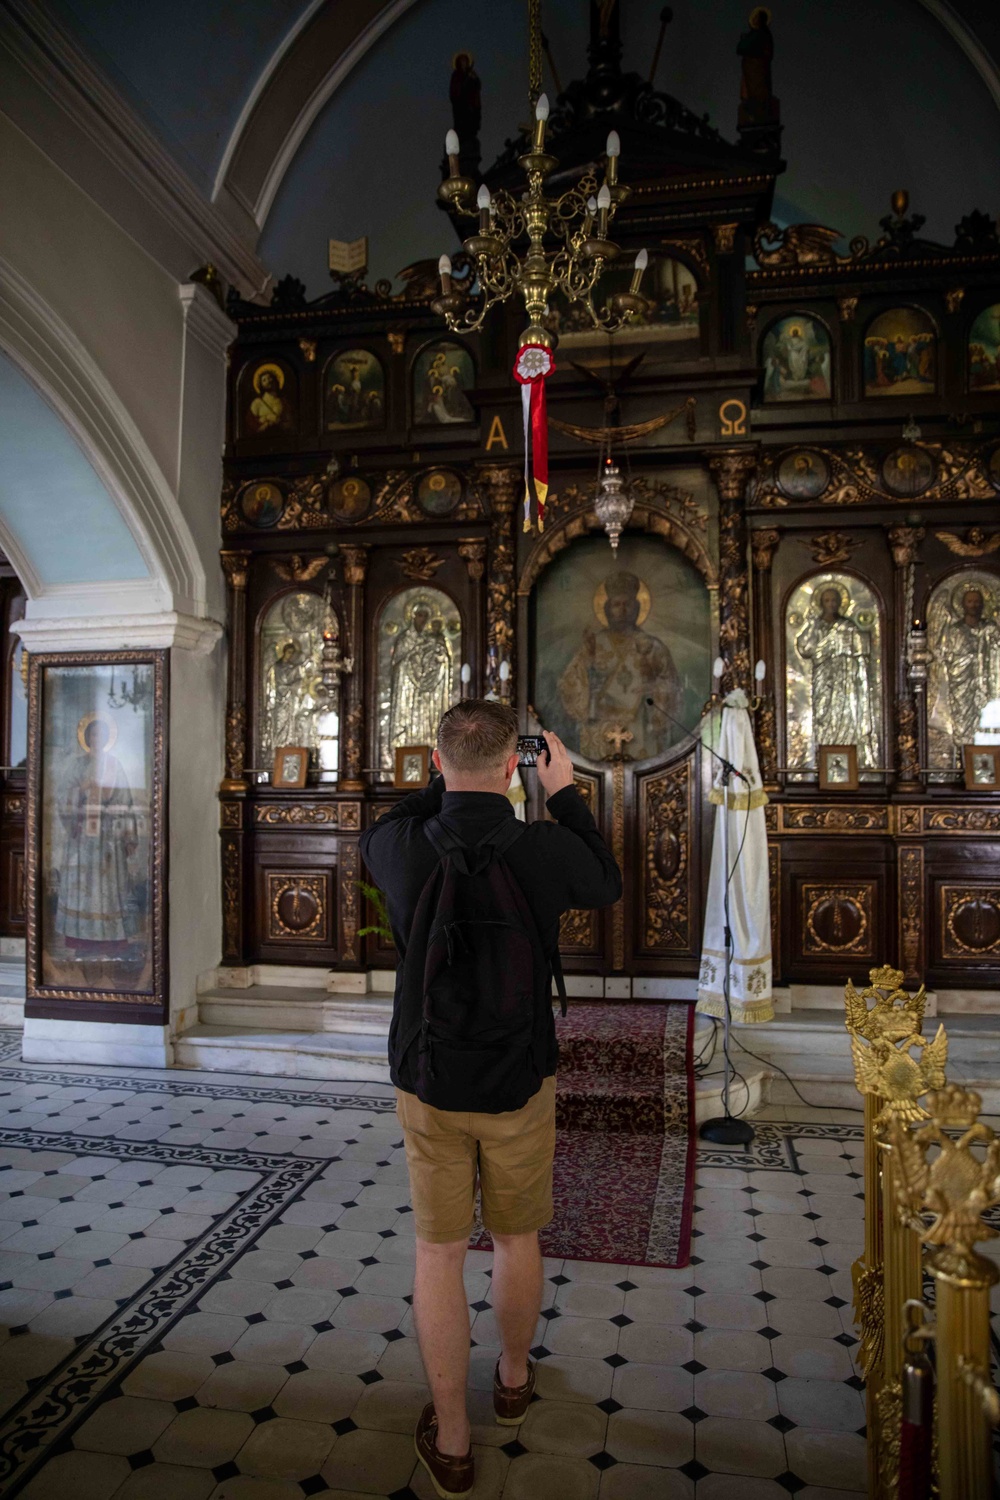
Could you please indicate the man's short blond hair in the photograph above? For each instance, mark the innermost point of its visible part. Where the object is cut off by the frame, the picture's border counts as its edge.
(477, 736)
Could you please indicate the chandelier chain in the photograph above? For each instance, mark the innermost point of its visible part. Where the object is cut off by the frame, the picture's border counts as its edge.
(534, 51)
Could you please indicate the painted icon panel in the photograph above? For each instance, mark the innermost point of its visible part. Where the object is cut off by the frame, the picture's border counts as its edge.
(419, 667)
(620, 644)
(984, 350)
(438, 493)
(262, 504)
(833, 665)
(292, 709)
(96, 827)
(350, 497)
(672, 318)
(795, 353)
(353, 392)
(907, 471)
(442, 373)
(268, 407)
(963, 632)
(803, 475)
(901, 354)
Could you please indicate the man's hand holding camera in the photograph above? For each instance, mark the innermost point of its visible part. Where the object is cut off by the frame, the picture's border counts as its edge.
(555, 770)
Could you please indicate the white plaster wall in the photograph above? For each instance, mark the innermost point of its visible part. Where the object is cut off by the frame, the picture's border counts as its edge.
(117, 301)
(160, 349)
(197, 697)
(126, 312)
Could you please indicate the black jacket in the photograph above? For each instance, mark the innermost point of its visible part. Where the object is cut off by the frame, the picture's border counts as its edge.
(558, 865)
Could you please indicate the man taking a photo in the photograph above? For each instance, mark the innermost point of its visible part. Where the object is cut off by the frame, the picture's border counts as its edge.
(475, 899)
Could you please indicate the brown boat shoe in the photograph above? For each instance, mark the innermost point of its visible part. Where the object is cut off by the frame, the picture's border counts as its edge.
(510, 1403)
(451, 1477)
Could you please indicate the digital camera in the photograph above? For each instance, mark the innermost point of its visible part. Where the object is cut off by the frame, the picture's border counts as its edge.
(530, 747)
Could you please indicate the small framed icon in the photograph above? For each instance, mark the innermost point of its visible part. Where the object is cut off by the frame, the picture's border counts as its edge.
(838, 768)
(982, 768)
(413, 767)
(291, 766)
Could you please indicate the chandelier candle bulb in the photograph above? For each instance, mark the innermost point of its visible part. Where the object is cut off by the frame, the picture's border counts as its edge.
(641, 262)
(451, 151)
(603, 208)
(541, 115)
(485, 205)
(760, 671)
(444, 271)
(613, 148)
(717, 668)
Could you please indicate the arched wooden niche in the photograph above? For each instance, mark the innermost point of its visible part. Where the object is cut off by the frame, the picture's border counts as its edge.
(644, 518)
(620, 642)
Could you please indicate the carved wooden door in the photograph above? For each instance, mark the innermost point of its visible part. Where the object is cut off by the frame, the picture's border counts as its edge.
(651, 817)
(664, 839)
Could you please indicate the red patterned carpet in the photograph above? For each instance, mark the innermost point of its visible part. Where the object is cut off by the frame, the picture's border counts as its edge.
(624, 1169)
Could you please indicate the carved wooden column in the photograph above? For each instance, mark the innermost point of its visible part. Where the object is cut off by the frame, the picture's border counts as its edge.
(731, 468)
(905, 543)
(232, 791)
(355, 569)
(235, 566)
(762, 545)
(472, 551)
(502, 484)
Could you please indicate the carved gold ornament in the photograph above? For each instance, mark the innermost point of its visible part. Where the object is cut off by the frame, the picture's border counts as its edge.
(888, 1068)
(883, 1007)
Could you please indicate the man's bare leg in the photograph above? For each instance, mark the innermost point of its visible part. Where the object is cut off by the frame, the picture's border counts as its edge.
(517, 1300)
(441, 1313)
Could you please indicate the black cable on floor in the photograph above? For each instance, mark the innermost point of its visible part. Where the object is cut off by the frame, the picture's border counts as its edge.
(770, 1063)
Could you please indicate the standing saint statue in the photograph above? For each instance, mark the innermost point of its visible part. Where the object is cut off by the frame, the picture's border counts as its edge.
(621, 678)
(843, 708)
(969, 648)
(95, 912)
(420, 669)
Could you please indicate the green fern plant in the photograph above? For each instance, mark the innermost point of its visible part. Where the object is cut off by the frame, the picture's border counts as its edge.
(377, 899)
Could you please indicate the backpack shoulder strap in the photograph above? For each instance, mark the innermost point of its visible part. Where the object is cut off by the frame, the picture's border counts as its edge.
(504, 833)
(441, 838)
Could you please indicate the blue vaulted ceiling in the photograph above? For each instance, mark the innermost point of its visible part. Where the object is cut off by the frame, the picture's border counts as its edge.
(55, 513)
(874, 97)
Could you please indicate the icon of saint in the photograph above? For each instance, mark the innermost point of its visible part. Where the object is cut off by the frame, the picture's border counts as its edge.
(420, 668)
(969, 649)
(268, 409)
(621, 678)
(843, 708)
(289, 707)
(96, 914)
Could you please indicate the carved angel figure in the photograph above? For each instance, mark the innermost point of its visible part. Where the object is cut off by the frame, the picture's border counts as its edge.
(798, 245)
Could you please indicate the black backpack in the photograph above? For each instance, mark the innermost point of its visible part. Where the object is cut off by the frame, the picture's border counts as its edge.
(474, 1020)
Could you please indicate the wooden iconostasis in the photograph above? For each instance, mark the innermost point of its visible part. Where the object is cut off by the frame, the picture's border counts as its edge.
(816, 488)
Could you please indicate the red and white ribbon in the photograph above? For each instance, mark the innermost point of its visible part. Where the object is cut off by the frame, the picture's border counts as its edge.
(533, 366)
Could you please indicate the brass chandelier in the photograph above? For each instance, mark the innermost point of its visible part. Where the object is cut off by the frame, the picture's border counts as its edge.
(535, 245)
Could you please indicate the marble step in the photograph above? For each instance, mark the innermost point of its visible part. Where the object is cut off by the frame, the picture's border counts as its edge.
(339, 1057)
(291, 1008)
(813, 1049)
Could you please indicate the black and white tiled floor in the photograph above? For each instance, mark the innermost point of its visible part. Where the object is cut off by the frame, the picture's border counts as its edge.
(205, 1292)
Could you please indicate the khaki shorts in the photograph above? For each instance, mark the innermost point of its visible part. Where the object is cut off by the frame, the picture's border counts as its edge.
(511, 1153)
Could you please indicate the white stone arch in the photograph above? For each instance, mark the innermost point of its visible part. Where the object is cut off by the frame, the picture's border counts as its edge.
(314, 58)
(62, 370)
